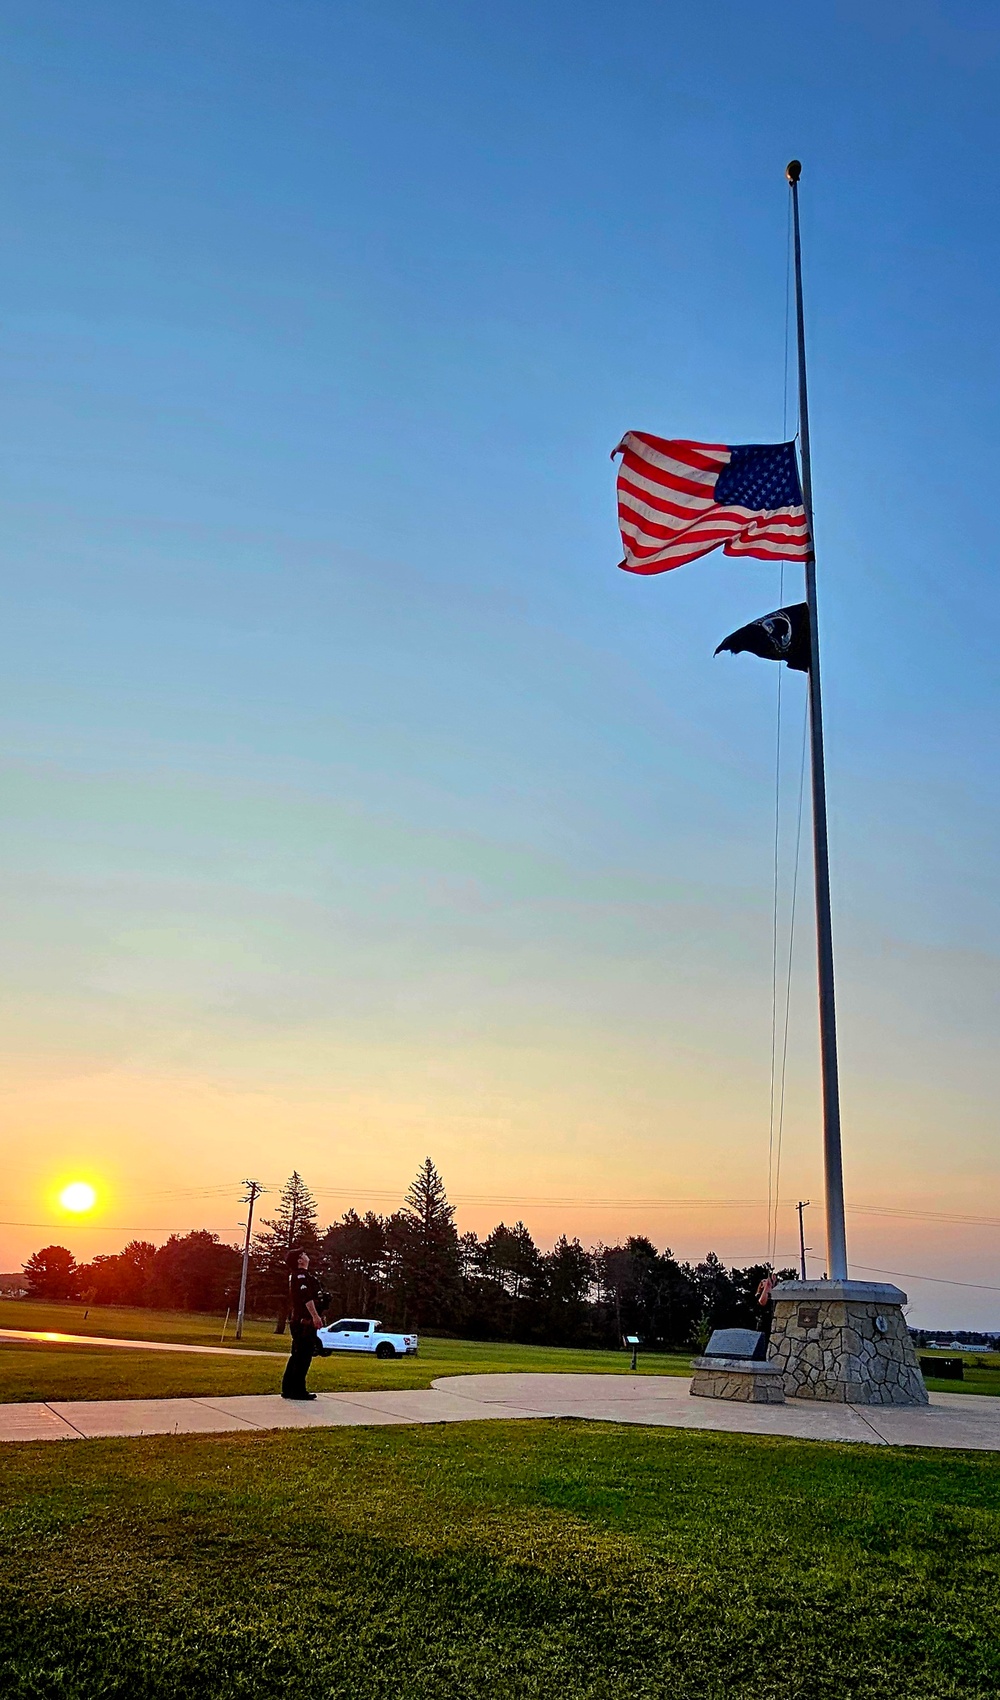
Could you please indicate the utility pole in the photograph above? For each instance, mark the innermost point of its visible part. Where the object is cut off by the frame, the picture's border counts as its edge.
(803, 1202)
(254, 1190)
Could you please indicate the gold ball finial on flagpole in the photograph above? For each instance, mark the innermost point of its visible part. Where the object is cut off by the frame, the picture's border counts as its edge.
(793, 170)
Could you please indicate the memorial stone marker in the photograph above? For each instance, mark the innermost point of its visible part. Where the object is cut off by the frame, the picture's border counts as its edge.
(736, 1343)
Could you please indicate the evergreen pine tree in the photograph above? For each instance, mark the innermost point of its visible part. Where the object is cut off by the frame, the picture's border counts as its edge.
(51, 1273)
(509, 1259)
(293, 1226)
(568, 1274)
(427, 1202)
(353, 1258)
(425, 1253)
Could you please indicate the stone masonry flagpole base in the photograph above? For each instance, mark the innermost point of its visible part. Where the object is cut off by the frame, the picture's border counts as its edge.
(845, 1342)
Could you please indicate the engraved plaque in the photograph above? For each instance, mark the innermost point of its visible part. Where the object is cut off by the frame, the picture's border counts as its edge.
(808, 1316)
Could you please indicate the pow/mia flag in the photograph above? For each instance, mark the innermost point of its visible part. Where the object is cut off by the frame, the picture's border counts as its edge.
(781, 636)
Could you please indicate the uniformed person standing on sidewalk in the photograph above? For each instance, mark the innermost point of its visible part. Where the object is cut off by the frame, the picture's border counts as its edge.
(303, 1292)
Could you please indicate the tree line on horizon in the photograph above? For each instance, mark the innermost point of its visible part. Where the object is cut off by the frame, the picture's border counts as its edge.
(414, 1269)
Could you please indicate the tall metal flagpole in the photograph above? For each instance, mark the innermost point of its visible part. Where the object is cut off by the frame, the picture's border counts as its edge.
(836, 1236)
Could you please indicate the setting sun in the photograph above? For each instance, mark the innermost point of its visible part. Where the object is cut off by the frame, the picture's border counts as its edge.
(78, 1196)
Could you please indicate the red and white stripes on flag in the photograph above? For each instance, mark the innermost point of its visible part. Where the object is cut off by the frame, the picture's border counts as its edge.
(678, 500)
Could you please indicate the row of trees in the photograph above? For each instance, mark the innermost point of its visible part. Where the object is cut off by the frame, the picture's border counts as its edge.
(415, 1269)
(193, 1271)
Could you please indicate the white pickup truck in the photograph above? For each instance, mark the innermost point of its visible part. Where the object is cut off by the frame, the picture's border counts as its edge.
(354, 1334)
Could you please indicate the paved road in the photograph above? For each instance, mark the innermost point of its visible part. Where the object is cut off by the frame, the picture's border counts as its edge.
(130, 1345)
(952, 1419)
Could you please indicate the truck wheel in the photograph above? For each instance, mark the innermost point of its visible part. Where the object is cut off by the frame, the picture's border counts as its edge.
(385, 1349)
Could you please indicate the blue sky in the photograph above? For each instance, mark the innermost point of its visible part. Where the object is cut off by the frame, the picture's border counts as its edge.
(357, 806)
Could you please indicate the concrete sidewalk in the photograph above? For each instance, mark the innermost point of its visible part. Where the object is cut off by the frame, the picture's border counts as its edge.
(88, 1419)
(964, 1421)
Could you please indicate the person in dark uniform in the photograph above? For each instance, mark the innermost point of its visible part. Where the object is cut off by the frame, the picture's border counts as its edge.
(303, 1291)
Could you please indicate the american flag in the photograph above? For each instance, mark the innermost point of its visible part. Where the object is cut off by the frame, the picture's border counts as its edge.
(678, 500)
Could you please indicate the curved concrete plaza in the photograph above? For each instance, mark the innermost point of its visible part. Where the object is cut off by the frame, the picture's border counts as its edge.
(963, 1421)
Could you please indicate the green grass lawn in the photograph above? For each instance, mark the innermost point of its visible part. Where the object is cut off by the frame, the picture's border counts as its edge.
(530, 1561)
(122, 1323)
(34, 1371)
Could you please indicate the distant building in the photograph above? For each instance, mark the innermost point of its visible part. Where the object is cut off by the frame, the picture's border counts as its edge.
(13, 1286)
(959, 1340)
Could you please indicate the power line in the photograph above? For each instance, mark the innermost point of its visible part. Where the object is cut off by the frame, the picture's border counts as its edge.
(383, 1194)
(96, 1228)
(772, 1178)
(190, 1193)
(925, 1215)
(539, 1203)
(783, 1073)
(255, 1190)
(939, 1280)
